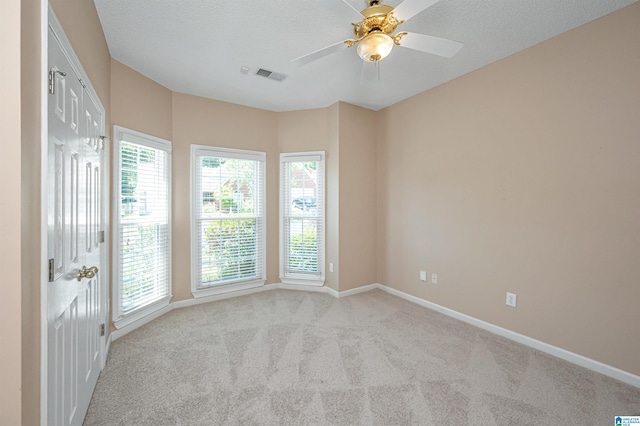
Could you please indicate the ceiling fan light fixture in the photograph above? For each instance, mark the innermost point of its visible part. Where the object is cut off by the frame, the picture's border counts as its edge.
(375, 46)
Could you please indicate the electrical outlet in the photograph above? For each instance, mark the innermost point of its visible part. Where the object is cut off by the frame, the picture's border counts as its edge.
(511, 299)
(423, 276)
(330, 267)
(434, 278)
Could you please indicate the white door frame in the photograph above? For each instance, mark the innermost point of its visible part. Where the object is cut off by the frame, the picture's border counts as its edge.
(49, 20)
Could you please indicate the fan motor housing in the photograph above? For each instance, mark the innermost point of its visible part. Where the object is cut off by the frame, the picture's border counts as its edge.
(377, 18)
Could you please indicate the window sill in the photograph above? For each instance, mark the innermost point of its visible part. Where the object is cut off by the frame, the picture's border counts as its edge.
(141, 313)
(226, 288)
(312, 282)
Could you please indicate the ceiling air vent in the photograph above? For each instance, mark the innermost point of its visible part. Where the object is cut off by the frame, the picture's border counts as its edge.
(270, 74)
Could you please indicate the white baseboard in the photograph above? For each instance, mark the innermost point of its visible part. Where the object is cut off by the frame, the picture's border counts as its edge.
(574, 358)
(207, 299)
(333, 292)
(358, 290)
(139, 323)
(327, 289)
(107, 348)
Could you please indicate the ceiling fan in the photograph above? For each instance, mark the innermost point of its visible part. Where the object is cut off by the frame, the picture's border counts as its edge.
(374, 27)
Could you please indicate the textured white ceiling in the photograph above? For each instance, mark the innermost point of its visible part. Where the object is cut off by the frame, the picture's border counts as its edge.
(198, 46)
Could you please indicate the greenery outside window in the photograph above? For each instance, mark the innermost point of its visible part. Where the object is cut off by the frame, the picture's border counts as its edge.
(142, 231)
(302, 214)
(228, 231)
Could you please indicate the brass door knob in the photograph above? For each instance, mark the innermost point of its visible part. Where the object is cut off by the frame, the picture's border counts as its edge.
(87, 272)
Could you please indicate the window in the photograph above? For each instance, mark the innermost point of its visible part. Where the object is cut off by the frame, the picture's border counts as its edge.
(228, 220)
(302, 218)
(142, 258)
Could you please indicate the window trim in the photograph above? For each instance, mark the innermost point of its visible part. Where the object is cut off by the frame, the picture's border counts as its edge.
(122, 134)
(303, 279)
(231, 153)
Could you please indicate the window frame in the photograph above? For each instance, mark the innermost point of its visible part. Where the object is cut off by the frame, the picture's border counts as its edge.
(122, 134)
(301, 278)
(198, 290)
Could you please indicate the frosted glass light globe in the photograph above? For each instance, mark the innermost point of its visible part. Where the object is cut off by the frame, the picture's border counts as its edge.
(375, 47)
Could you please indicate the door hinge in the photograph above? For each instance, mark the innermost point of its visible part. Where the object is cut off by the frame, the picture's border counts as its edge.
(52, 79)
(102, 236)
(51, 273)
(102, 330)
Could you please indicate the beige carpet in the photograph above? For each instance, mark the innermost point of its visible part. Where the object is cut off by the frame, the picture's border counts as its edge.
(294, 358)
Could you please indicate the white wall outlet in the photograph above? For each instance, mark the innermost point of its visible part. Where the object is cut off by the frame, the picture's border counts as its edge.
(434, 278)
(423, 275)
(511, 299)
(330, 267)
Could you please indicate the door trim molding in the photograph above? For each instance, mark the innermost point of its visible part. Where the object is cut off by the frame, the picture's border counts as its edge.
(48, 20)
(44, 172)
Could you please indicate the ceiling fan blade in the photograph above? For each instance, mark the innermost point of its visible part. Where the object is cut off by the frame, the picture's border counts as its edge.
(430, 44)
(342, 9)
(321, 53)
(410, 8)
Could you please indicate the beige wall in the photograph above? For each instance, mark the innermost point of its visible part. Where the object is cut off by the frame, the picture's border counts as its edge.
(20, 213)
(306, 130)
(143, 105)
(358, 194)
(523, 177)
(203, 121)
(139, 103)
(347, 135)
(31, 205)
(10, 249)
(313, 130)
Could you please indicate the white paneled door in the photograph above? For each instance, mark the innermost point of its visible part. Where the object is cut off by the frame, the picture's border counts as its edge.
(74, 240)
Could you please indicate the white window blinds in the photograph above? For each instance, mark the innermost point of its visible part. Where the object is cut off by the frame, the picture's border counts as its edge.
(228, 229)
(142, 261)
(302, 219)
